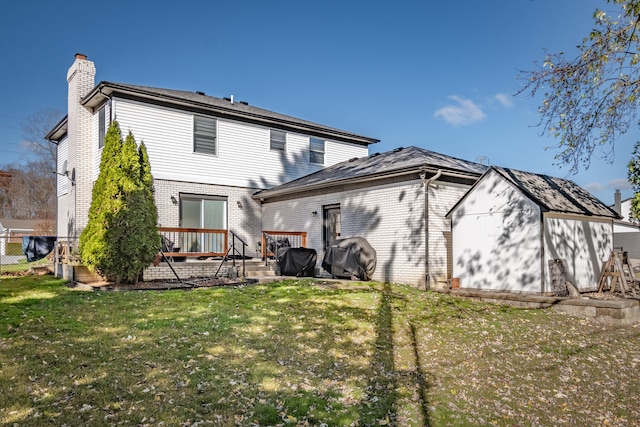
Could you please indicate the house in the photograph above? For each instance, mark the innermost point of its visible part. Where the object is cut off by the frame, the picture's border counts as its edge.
(626, 232)
(623, 207)
(11, 232)
(225, 171)
(382, 198)
(511, 223)
(208, 156)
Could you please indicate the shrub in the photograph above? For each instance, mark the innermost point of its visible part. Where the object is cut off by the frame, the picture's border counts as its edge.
(121, 237)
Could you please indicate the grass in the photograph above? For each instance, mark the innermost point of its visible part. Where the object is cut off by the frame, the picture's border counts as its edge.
(21, 267)
(302, 353)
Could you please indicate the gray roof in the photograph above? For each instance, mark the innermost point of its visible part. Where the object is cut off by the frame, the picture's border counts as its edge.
(17, 224)
(556, 194)
(396, 162)
(221, 107)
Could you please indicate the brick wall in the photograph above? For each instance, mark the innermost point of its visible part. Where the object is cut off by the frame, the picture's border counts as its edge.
(187, 270)
(390, 216)
(244, 215)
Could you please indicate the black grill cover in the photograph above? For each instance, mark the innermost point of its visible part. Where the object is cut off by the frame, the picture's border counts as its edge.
(300, 262)
(354, 255)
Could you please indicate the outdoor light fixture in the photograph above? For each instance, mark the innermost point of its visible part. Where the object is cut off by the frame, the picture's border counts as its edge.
(314, 213)
(174, 200)
(239, 204)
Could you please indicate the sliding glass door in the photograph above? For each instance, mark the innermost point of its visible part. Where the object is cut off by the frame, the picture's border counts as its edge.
(203, 212)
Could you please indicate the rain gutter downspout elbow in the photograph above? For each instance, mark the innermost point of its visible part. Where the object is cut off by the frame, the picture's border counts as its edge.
(426, 183)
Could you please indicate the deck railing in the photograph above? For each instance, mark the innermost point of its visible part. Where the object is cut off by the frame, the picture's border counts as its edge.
(194, 242)
(274, 240)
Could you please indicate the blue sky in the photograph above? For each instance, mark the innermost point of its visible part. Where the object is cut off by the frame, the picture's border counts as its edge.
(438, 75)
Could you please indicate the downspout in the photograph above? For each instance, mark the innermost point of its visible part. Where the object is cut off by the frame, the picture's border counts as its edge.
(426, 183)
(542, 253)
(110, 100)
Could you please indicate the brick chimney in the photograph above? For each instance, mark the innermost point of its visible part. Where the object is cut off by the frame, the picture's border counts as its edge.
(617, 202)
(81, 80)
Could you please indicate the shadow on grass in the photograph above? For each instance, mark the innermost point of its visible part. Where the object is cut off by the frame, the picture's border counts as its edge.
(420, 378)
(382, 383)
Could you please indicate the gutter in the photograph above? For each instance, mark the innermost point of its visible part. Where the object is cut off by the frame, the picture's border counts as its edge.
(266, 194)
(59, 130)
(426, 183)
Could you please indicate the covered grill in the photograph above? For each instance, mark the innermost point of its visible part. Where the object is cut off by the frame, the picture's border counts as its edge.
(349, 257)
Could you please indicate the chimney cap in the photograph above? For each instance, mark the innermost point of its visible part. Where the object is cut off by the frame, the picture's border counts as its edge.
(81, 56)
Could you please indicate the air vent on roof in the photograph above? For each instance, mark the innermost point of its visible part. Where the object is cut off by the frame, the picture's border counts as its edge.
(396, 150)
(244, 103)
(353, 159)
(199, 92)
(375, 155)
(226, 99)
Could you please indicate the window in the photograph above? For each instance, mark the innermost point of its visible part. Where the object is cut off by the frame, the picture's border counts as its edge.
(203, 212)
(278, 140)
(102, 125)
(204, 135)
(316, 150)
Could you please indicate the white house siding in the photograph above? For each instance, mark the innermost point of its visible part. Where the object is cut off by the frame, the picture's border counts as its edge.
(65, 214)
(95, 144)
(496, 239)
(337, 151)
(62, 182)
(244, 158)
(389, 216)
(243, 213)
(584, 243)
(64, 192)
(627, 237)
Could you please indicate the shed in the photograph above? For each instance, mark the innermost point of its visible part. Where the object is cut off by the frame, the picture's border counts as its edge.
(511, 223)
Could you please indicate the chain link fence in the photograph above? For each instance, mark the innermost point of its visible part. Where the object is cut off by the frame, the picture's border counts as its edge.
(14, 261)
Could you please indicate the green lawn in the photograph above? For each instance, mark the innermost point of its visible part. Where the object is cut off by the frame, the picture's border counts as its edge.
(300, 353)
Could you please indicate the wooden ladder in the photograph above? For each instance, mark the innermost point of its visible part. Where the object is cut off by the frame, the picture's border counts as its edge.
(619, 272)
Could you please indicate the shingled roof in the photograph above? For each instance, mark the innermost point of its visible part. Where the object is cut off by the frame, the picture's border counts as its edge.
(401, 161)
(205, 104)
(556, 194)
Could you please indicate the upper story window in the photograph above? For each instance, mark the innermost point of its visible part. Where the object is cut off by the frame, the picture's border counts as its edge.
(102, 126)
(204, 135)
(316, 150)
(278, 140)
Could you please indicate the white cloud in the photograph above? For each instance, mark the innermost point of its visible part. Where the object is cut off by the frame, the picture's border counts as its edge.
(594, 187)
(614, 184)
(504, 99)
(463, 113)
(619, 184)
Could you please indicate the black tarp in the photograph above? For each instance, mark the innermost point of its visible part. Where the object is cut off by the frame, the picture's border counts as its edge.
(300, 262)
(354, 255)
(278, 246)
(37, 247)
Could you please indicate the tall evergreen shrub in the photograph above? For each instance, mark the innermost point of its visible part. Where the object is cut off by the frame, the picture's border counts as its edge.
(121, 237)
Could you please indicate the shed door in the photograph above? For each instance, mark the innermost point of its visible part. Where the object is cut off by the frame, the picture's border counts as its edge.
(331, 223)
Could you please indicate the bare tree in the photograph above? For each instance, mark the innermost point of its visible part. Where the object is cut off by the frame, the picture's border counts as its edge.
(592, 99)
(28, 192)
(34, 129)
(28, 189)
